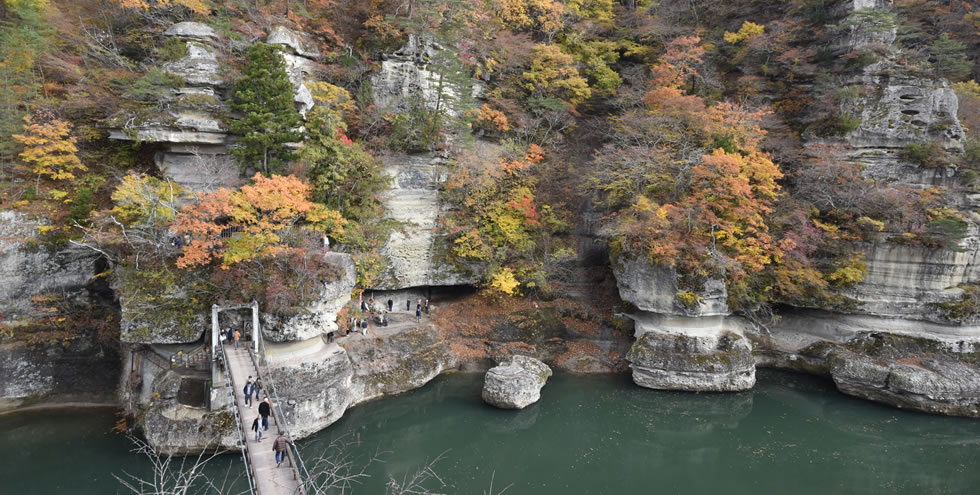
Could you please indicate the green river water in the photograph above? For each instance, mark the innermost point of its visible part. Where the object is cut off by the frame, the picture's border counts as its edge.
(588, 435)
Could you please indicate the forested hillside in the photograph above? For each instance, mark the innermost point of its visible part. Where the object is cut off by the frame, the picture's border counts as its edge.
(747, 155)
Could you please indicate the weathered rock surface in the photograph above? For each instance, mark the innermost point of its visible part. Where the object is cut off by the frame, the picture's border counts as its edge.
(398, 363)
(914, 373)
(153, 314)
(654, 289)
(191, 30)
(416, 253)
(297, 42)
(318, 387)
(669, 361)
(515, 384)
(405, 78)
(174, 428)
(27, 270)
(320, 316)
(80, 371)
(198, 68)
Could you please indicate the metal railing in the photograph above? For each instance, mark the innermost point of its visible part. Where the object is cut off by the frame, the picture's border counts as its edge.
(271, 391)
(238, 421)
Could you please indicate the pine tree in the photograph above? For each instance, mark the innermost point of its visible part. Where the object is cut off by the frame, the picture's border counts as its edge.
(269, 120)
(948, 57)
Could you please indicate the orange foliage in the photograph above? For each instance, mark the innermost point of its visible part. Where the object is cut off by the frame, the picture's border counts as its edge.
(261, 217)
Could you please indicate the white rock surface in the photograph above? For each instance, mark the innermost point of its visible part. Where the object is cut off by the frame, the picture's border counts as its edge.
(516, 383)
(654, 289)
(191, 30)
(299, 43)
(198, 68)
(413, 252)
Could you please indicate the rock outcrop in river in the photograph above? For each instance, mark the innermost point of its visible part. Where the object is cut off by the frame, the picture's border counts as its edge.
(516, 383)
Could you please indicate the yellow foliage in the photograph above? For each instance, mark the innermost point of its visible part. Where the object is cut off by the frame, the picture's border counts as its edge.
(503, 281)
(553, 73)
(334, 97)
(49, 149)
(849, 272)
(748, 30)
(147, 199)
(197, 6)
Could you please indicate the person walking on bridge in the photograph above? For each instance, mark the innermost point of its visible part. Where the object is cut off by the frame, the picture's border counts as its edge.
(257, 387)
(248, 392)
(237, 335)
(256, 427)
(280, 447)
(265, 408)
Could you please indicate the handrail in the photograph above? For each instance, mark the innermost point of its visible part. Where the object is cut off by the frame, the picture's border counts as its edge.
(281, 417)
(238, 421)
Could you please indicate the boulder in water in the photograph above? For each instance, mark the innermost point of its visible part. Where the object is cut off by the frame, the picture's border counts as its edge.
(515, 384)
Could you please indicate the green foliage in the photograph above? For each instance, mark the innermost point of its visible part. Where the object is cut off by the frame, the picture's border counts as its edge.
(263, 96)
(154, 88)
(967, 307)
(24, 37)
(418, 129)
(345, 177)
(928, 155)
(948, 58)
(171, 50)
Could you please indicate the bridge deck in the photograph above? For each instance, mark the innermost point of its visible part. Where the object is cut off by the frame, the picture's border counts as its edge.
(269, 479)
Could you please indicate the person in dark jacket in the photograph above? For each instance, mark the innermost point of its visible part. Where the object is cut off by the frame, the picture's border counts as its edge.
(257, 387)
(280, 447)
(391, 304)
(265, 408)
(248, 392)
(257, 429)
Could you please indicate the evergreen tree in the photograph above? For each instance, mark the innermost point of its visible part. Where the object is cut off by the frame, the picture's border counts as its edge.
(948, 57)
(269, 120)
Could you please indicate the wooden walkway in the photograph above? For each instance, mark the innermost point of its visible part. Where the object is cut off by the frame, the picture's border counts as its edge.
(269, 478)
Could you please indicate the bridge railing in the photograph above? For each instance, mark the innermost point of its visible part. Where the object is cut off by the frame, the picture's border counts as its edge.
(271, 391)
(249, 475)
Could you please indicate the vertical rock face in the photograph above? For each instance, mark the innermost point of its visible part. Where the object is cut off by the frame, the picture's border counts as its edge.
(406, 77)
(416, 252)
(28, 270)
(300, 54)
(653, 288)
(188, 126)
(515, 384)
(78, 368)
(317, 388)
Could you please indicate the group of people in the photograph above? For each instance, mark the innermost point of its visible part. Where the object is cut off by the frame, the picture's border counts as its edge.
(252, 389)
(231, 336)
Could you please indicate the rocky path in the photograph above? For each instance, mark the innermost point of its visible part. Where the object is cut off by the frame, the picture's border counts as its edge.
(269, 478)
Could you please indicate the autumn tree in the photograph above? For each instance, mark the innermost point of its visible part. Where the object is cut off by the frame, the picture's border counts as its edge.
(501, 223)
(344, 176)
(268, 120)
(49, 149)
(554, 74)
(262, 219)
(24, 37)
(196, 6)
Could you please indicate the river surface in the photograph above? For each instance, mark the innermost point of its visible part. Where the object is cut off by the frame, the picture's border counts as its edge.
(587, 435)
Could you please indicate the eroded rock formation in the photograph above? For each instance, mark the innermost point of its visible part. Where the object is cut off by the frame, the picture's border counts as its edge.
(516, 383)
